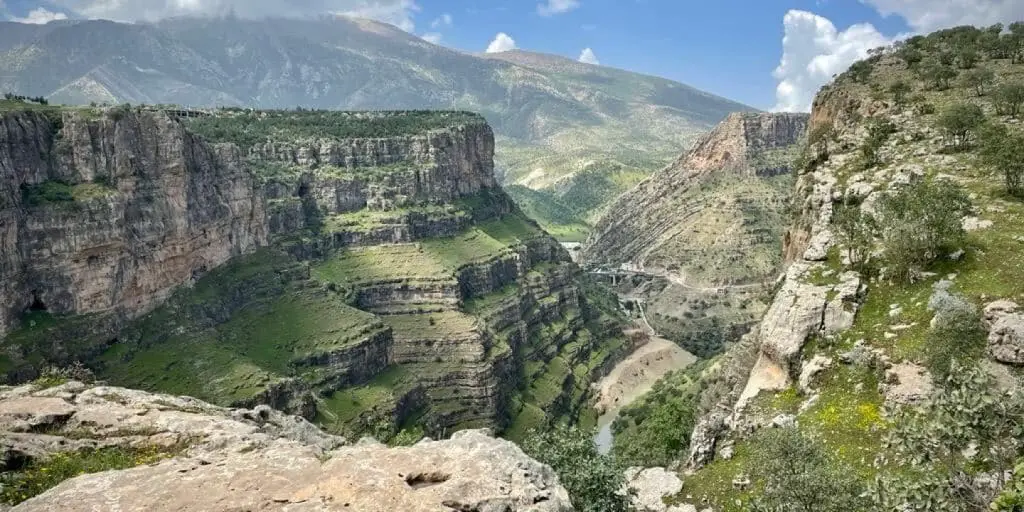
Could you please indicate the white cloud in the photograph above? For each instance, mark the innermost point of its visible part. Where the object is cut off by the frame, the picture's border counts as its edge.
(432, 37)
(553, 7)
(39, 16)
(813, 50)
(930, 15)
(501, 43)
(444, 20)
(397, 12)
(587, 56)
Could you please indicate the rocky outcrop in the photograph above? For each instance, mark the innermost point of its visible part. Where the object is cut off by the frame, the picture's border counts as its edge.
(112, 214)
(651, 486)
(258, 459)
(1006, 332)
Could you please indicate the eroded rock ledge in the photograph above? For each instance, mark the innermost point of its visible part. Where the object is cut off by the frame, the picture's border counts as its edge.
(256, 459)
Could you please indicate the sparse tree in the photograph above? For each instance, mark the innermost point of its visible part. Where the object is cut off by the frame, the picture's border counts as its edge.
(1009, 98)
(1001, 152)
(856, 233)
(959, 124)
(937, 74)
(879, 131)
(860, 71)
(911, 56)
(899, 90)
(979, 80)
(967, 57)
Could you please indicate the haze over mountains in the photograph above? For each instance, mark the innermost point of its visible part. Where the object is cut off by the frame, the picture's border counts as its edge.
(554, 116)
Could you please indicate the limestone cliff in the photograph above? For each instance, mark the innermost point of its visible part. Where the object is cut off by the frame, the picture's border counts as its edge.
(171, 453)
(300, 260)
(104, 215)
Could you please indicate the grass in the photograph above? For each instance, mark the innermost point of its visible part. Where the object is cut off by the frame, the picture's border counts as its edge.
(432, 325)
(43, 474)
(341, 408)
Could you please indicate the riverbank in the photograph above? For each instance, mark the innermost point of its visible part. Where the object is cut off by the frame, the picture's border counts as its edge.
(633, 377)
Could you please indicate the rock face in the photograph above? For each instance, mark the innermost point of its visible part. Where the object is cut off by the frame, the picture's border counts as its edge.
(717, 203)
(104, 215)
(258, 460)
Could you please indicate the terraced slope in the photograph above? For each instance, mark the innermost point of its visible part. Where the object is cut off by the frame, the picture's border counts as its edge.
(392, 284)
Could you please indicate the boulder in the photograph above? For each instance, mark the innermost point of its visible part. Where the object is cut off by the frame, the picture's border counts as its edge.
(1006, 332)
(705, 437)
(651, 486)
(812, 368)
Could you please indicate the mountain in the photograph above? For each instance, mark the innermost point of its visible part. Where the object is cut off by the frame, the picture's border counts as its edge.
(553, 116)
(710, 222)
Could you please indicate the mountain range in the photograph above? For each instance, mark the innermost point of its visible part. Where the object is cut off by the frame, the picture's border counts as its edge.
(555, 118)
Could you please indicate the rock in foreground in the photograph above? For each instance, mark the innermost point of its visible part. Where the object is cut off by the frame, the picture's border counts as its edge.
(258, 460)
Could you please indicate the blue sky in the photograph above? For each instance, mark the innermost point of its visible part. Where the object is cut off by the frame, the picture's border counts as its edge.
(770, 54)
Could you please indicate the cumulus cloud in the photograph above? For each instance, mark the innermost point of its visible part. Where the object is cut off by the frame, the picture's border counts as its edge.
(930, 15)
(813, 50)
(553, 7)
(444, 20)
(501, 43)
(587, 56)
(397, 12)
(39, 16)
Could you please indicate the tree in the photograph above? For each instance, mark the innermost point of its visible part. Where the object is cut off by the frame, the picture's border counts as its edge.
(911, 56)
(856, 233)
(594, 481)
(878, 132)
(899, 90)
(979, 80)
(967, 57)
(798, 476)
(938, 74)
(860, 71)
(960, 122)
(1001, 152)
(1009, 98)
(921, 222)
(656, 430)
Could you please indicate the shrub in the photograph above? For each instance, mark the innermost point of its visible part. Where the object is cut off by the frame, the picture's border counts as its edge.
(899, 91)
(860, 71)
(958, 337)
(879, 131)
(959, 124)
(655, 430)
(921, 222)
(1009, 98)
(937, 74)
(593, 480)
(855, 232)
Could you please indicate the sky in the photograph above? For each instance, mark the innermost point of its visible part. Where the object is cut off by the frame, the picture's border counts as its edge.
(769, 54)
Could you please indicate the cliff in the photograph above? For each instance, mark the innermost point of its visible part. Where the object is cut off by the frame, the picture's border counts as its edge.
(147, 452)
(105, 216)
(303, 260)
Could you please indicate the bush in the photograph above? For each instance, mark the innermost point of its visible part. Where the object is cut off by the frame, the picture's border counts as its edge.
(879, 131)
(655, 430)
(1009, 98)
(957, 338)
(593, 480)
(899, 91)
(860, 71)
(959, 124)
(797, 474)
(920, 223)
(937, 74)
(855, 232)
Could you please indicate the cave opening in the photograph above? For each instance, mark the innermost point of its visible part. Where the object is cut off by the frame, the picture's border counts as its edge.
(37, 303)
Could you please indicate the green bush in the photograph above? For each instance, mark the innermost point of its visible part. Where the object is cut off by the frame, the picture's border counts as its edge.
(50, 191)
(879, 131)
(921, 222)
(593, 480)
(937, 74)
(855, 232)
(979, 80)
(899, 91)
(958, 337)
(655, 430)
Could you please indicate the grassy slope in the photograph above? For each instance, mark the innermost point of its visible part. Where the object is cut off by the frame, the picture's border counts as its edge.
(849, 416)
